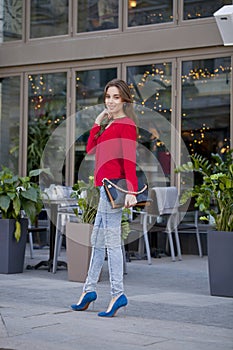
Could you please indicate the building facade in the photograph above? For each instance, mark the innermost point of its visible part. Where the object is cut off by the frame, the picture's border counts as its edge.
(56, 57)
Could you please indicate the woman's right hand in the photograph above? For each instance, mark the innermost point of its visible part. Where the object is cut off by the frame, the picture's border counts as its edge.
(130, 200)
(103, 115)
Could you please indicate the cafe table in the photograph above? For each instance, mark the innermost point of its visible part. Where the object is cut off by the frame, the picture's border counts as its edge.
(51, 206)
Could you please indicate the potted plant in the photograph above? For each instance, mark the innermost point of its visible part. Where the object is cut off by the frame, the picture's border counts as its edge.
(214, 197)
(87, 196)
(78, 247)
(17, 195)
(78, 234)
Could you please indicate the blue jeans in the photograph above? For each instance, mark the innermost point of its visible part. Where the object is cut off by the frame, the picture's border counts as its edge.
(106, 234)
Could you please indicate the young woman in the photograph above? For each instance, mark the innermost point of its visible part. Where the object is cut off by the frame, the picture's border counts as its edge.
(113, 140)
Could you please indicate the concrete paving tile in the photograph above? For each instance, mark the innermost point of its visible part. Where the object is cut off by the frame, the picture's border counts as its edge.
(182, 299)
(170, 308)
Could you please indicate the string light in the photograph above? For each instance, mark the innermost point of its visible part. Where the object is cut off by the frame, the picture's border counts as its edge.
(132, 3)
(158, 74)
(196, 74)
(39, 88)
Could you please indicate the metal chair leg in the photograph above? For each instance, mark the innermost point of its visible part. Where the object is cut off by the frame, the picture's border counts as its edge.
(31, 244)
(178, 244)
(169, 234)
(198, 235)
(57, 243)
(145, 234)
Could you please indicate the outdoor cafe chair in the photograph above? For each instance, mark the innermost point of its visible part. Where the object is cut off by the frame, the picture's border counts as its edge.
(41, 225)
(164, 212)
(190, 222)
(64, 214)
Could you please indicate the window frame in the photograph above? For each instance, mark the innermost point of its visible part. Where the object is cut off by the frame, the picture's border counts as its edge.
(193, 21)
(186, 58)
(148, 27)
(115, 62)
(173, 136)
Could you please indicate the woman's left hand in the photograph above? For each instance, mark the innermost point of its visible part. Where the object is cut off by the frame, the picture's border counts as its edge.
(130, 200)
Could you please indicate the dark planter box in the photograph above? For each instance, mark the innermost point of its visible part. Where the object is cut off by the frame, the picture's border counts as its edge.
(12, 253)
(220, 262)
(188, 242)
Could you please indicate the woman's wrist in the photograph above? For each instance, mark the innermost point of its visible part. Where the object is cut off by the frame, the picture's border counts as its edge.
(100, 117)
(98, 120)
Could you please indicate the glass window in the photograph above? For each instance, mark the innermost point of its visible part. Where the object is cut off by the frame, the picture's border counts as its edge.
(89, 103)
(11, 25)
(97, 15)
(47, 111)
(151, 90)
(142, 12)
(9, 122)
(194, 9)
(48, 18)
(206, 88)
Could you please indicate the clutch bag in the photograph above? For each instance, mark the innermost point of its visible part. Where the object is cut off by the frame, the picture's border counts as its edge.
(116, 190)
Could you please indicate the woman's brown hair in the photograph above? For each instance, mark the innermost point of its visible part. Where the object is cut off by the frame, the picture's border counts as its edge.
(125, 94)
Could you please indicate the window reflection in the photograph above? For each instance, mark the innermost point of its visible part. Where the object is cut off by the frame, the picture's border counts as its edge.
(11, 27)
(151, 90)
(48, 18)
(9, 122)
(90, 86)
(97, 15)
(89, 103)
(46, 111)
(206, 86)
(194, 9)
(149, 12)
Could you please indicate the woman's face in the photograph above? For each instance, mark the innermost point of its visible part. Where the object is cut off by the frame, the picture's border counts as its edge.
(114, 102)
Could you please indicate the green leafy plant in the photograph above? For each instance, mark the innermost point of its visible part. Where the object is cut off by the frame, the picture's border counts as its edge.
(38, 135)
(214, 195)
(125, 226)
(19, 193)
(87, 196)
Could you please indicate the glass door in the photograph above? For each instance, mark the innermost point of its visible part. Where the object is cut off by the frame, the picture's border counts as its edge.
(151, 87)
(88, 104)
(46, 111)
(10, 122)
(206, 95)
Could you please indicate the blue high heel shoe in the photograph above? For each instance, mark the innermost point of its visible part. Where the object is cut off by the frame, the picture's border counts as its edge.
(120, 302)
(85, 302)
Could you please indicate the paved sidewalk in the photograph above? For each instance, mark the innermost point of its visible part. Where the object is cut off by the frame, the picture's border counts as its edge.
(170, 308)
